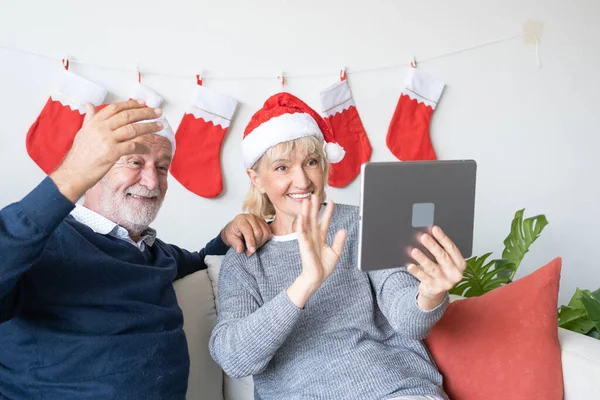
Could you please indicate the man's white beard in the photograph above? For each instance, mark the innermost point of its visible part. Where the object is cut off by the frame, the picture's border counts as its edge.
(130, 214)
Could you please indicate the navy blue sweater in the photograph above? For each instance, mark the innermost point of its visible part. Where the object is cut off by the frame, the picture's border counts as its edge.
(84, 315)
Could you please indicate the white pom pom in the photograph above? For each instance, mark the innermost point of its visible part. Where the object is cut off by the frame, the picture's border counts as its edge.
(334, 152)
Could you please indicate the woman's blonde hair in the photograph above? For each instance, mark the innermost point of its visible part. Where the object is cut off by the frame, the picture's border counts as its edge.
(258, 203)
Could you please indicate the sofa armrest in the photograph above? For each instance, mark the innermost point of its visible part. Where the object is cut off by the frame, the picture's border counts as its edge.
(581, 364)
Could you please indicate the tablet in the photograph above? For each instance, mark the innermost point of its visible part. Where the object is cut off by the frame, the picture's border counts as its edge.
(401, 200)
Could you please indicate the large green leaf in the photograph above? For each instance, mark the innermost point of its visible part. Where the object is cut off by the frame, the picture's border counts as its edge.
(480, 276)
(592, 306)
(568, 314)
(582, 315)
(522, 235)
(581, 325)
(575, 301)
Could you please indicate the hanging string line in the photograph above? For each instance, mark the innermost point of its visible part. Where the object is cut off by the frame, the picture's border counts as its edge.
(269, 77)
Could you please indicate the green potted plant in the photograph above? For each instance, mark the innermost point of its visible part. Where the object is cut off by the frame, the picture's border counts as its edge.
(581, 315)
(482, 275)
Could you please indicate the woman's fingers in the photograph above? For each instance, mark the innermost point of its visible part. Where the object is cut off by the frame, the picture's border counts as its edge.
(443, 259)
(300, 229)
(313, 216)
(338, 242)
(449, 247)
(325, 221)
(434, 248)
(431, 268)
(418, 273)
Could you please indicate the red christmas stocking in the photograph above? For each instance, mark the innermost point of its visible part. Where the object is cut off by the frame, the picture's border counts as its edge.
(51, 135)
(408, 133)
(339, 111)
(197, 162)
(142, 92)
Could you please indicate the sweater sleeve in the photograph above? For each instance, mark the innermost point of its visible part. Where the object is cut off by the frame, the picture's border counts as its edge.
(25, 229)
(396, 291)
(248, 332)
(190, 262)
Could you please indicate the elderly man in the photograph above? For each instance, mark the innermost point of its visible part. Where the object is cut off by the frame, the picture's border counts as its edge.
(87, 306)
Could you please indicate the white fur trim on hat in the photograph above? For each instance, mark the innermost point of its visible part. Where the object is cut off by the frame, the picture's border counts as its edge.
(283, 128)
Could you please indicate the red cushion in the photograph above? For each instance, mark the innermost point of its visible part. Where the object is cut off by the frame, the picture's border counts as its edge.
(503, 345)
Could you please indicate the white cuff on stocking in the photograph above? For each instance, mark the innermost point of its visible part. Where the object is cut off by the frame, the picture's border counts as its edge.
(143, 92)
(336, 99)
(423, 87)
(75, 91)
(212, 106)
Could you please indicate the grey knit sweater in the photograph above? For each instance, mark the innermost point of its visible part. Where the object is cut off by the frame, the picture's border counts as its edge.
(358, 337)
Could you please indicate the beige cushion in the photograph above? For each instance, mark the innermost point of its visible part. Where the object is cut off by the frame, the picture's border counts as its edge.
(233, 389)
(195, 297)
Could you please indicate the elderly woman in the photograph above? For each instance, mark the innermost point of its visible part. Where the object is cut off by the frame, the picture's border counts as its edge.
(298, 315)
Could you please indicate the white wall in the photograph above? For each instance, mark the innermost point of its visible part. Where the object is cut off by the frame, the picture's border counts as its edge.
(534, 132)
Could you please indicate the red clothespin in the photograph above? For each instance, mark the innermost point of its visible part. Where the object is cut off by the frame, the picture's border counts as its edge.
(343, 74)
(281, 78)
(139, 74)
(65, 63)
(413, 62)
(199, 79)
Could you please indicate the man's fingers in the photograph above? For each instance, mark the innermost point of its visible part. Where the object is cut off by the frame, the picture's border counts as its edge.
(115, 108)
(237, 244)
(129, 116)
(267, 234)
(90, 111)
(256, 232)
(264, 234)
(132, 131)
(130, 147)
(246, 234)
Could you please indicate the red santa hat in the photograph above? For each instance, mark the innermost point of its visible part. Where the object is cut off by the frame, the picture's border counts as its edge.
(284, 118)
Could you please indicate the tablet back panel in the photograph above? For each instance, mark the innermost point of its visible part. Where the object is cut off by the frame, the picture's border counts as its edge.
(400, 200)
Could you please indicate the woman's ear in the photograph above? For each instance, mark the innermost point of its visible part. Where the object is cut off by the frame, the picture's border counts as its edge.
(255, 179)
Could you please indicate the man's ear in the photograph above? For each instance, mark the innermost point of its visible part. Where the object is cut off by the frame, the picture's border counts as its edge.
(255, 179)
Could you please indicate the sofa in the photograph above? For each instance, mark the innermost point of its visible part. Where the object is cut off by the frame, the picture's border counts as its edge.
(197, 297)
